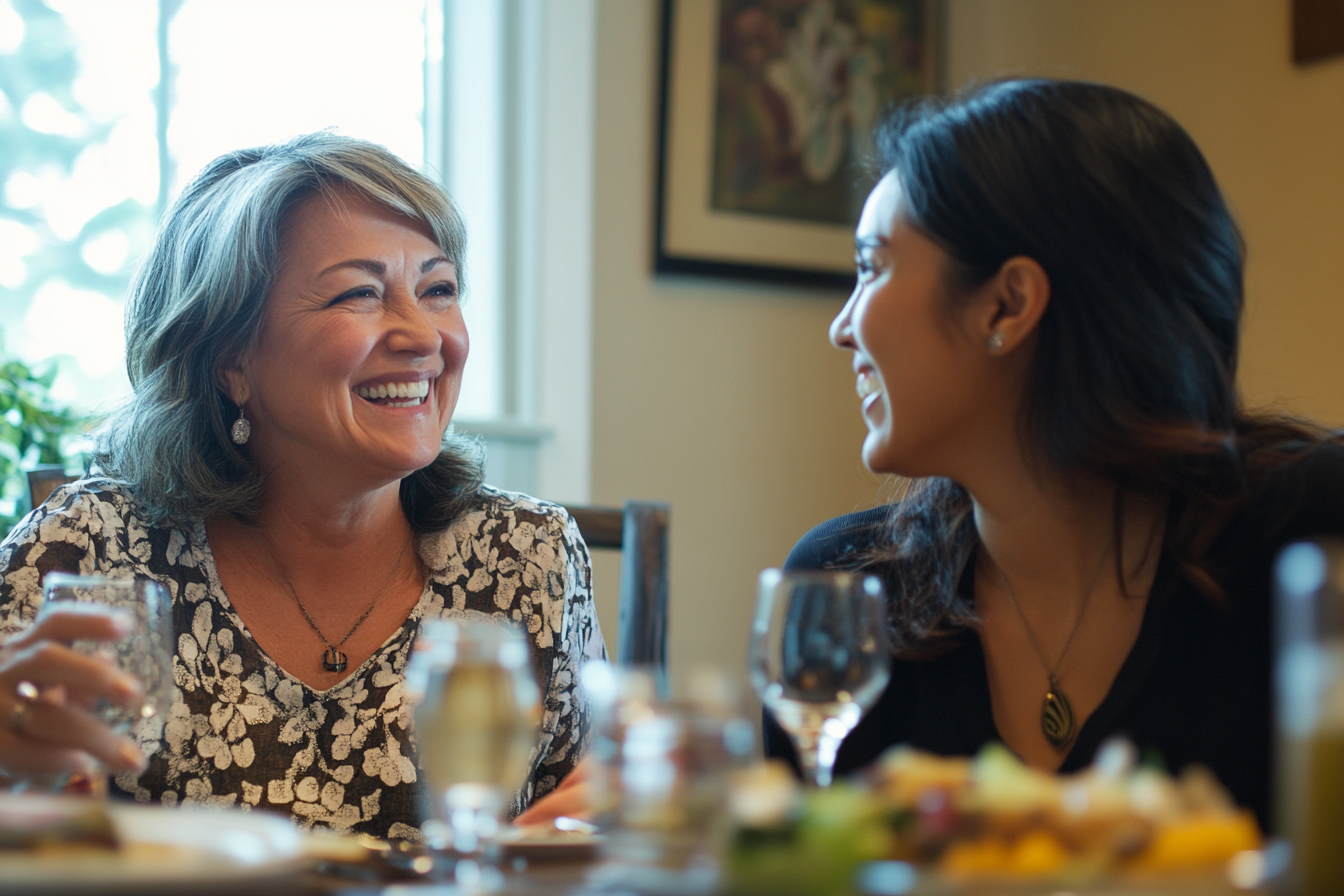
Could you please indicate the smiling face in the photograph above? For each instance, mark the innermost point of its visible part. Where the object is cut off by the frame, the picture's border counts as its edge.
(358, 363)
(920, 362)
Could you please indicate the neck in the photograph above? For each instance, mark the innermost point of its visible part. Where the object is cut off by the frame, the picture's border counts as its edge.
(1049, 538)
(326, 520)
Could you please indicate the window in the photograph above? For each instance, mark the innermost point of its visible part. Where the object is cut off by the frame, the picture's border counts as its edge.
(97, 142)
(496, 98)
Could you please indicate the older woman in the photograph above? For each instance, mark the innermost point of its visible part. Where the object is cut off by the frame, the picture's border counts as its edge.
(296, 346)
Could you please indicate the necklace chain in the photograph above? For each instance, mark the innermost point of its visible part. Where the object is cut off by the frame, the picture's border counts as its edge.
(1056, 710)
(1052, 671)
(333, 660)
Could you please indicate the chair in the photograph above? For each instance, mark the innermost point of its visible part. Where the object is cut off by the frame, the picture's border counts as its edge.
(44, 480)
(639, 532)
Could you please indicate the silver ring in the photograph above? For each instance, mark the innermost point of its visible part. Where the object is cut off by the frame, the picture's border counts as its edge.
(27, 693)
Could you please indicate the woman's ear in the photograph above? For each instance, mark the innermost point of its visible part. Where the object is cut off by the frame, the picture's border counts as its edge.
(1019, 294)
(233, 382)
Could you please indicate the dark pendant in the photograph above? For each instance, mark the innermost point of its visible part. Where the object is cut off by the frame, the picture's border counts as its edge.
(1057, 717)
(333, 660)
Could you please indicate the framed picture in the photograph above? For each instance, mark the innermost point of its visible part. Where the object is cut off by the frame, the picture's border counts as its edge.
(766, 135)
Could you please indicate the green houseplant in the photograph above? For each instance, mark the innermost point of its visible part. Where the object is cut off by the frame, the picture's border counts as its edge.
(34, 429)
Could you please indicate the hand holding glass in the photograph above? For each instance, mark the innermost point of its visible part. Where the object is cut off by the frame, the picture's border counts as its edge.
(146, 653)
(819, 658)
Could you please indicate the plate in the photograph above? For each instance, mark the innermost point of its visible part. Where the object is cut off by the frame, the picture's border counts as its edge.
(167, 850)
(1177, 885)
(546, 844)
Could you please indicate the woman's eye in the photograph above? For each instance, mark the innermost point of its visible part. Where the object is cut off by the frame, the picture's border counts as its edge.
(441, 294)
(362, 292)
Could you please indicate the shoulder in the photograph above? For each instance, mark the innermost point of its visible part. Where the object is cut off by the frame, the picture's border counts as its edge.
(77, 510)
(537, 529)
(83, 526)
(511, 512)
(833, 541)
(1301, 496)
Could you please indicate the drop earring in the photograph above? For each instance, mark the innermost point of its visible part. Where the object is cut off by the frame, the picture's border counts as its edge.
(996, 340)
(242, 429)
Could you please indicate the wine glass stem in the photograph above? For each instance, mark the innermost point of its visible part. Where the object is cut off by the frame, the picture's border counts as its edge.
(818, 759)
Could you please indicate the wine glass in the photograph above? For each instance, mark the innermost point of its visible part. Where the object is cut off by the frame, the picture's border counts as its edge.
(476, 719)
(145, 653)
(819, 657)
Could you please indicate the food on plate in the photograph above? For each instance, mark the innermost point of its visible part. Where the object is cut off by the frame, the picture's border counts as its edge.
(987, 817)
(787, 844)
(51, 824)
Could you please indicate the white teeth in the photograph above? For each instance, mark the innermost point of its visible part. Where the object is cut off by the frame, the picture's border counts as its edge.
(866, 385)
(415, 392)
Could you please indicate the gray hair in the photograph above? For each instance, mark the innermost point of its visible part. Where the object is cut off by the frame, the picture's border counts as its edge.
(197, 302)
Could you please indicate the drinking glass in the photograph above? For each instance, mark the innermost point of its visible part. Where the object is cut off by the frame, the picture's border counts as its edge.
(476, 719)
(819, 658)
(661, 780)
(1309, 585)
(146, 653)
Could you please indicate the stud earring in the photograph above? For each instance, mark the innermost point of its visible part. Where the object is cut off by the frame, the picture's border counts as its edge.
(996, 340)
(242, 429)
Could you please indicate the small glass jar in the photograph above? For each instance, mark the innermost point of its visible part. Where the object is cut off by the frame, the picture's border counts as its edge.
(661, 783)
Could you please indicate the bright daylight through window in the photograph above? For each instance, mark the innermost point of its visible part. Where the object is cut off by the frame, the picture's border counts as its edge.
(107, 108)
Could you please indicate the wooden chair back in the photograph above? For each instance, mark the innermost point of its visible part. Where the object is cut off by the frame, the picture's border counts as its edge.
(639, 532)
(45, 480)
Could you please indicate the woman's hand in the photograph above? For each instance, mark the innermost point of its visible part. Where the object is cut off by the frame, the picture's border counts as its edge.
(573, 798)
(48, 692)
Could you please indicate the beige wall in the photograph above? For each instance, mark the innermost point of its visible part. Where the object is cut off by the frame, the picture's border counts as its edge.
(726, 399)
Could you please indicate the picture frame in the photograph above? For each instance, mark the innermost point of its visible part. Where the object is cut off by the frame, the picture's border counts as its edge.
(761, 174)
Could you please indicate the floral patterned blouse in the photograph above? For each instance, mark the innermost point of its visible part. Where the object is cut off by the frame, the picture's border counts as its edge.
(243, 732)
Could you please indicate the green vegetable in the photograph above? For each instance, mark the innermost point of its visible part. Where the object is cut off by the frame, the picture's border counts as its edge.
(816, 852)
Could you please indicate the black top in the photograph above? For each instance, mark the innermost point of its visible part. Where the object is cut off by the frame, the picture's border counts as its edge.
(1196, 686)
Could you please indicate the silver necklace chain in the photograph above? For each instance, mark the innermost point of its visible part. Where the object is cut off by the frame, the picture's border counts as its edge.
(335, 648)
(1053, 672)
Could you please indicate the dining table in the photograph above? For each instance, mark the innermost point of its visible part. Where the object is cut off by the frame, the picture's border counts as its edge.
(223, 852)
(79, 846)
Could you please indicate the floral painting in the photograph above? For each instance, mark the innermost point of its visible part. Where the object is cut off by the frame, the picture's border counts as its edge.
(799, 84)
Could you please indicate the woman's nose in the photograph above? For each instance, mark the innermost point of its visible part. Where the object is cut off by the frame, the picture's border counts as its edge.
(842, 328)
(411, 330)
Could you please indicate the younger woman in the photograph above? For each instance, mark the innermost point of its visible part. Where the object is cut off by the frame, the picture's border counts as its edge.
(1044, 334)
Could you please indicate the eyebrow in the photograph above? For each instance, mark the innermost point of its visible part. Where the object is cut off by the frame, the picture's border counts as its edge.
(433, 263)
(377, 268)
(870, 243)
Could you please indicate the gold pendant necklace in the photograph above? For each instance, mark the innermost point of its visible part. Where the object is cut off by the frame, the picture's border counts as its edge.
(1056, 710)
(333, 660)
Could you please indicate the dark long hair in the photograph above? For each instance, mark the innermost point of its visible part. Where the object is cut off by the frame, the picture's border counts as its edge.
(1133, 376)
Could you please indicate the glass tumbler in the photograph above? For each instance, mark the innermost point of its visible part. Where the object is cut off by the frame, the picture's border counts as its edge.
(146, 653)
(476, 719)
(660, 788)
(1309, 584)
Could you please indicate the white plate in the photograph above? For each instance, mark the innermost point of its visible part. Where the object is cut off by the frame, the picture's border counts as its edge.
(166, 851)
(542, 845)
